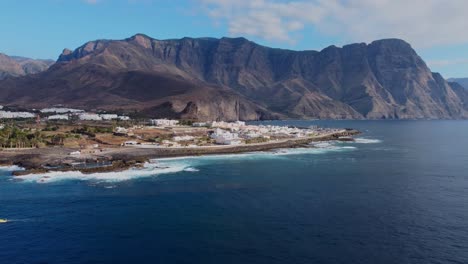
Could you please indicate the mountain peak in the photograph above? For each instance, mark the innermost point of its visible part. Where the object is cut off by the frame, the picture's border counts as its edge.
(66, 52)
(142, 40)
(392, 43)
(139, 36)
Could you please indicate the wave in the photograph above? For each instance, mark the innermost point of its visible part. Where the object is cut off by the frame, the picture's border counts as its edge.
(190, 169)
(180, 164)
(317, 148)
(10, 168)
(149, 170)
(367, 141)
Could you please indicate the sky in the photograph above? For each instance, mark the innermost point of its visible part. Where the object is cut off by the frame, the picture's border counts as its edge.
(437, 29)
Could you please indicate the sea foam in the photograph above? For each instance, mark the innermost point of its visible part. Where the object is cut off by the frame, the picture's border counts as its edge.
(180, 164)
(149, 170)
(10, 168)
(317, 148)
(367, 141)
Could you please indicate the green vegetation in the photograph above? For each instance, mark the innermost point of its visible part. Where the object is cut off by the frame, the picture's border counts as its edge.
(14, 137)
(51, 128)
(185, 122)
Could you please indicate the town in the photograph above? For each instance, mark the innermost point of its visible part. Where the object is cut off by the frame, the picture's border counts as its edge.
(88, 132)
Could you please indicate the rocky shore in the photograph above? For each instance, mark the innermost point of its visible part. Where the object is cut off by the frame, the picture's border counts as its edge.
(44, 160)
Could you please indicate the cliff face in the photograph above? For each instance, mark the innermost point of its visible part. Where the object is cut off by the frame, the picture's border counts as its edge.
(19, 66)
(229, 78)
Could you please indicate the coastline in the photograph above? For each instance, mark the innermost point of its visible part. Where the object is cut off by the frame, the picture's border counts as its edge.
(43, 160)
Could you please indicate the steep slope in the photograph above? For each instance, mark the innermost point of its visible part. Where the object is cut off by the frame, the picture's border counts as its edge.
(159, 95)
(19, 66)
(462, 93)
(209, 78)
(462, 81)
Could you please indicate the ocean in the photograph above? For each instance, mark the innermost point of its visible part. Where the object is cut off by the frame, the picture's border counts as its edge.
(399, 194)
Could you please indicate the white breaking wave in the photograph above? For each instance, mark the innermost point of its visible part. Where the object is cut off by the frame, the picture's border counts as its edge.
(191, 169)
(10, 168)
(180, 164)
(318, 148)
(149, 170)
(367, 141)
(323, 145)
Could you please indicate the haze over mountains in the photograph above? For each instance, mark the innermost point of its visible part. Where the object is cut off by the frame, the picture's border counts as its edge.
(462, 81)
(233, 78)
(13, 66)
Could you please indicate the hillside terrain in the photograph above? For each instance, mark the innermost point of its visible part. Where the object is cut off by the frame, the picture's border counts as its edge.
(13, 66)
(234, 78)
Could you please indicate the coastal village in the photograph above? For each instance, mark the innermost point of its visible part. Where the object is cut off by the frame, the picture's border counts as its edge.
(121, 131)
(66, 138)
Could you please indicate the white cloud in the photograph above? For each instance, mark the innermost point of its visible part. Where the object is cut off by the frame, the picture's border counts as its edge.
(424, 23)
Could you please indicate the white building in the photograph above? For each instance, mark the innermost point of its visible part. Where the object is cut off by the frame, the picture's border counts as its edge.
(183, 138)
(121, 130)
(90, 117)
(10, 115)
(164, 122)
(235, 126)
(61, 110)
(124, 118)
(200, 124)
(58, 117)
(224, 137)
(253, 134)
(109, 116)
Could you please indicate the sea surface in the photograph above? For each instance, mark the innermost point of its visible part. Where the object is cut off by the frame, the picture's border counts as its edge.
(399, 194)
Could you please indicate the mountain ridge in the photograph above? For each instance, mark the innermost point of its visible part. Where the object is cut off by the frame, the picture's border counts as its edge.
(14, 66)
(462, 81)
(383, 79)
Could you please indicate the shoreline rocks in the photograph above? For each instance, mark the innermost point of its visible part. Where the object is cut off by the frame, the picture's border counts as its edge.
(121, 159)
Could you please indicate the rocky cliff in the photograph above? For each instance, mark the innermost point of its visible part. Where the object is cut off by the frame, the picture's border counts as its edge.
(233, 78)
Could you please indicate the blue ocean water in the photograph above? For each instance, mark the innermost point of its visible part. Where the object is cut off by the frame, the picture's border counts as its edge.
(397, 195)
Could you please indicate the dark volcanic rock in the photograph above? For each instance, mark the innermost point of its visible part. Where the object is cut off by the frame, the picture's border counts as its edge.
(233, 78)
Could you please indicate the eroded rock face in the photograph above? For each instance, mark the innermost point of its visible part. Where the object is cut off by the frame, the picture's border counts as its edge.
(233, 78)
(19, 66)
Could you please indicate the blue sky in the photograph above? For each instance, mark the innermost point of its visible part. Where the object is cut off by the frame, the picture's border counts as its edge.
(437, 30)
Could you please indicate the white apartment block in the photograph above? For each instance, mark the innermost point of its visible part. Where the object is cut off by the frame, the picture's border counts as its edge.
(164, 122)
(11, 115)
(58, 117)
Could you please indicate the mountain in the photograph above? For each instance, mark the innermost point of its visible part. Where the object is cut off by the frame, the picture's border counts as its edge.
(13, 66)
(462, 81)
(234, 78)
